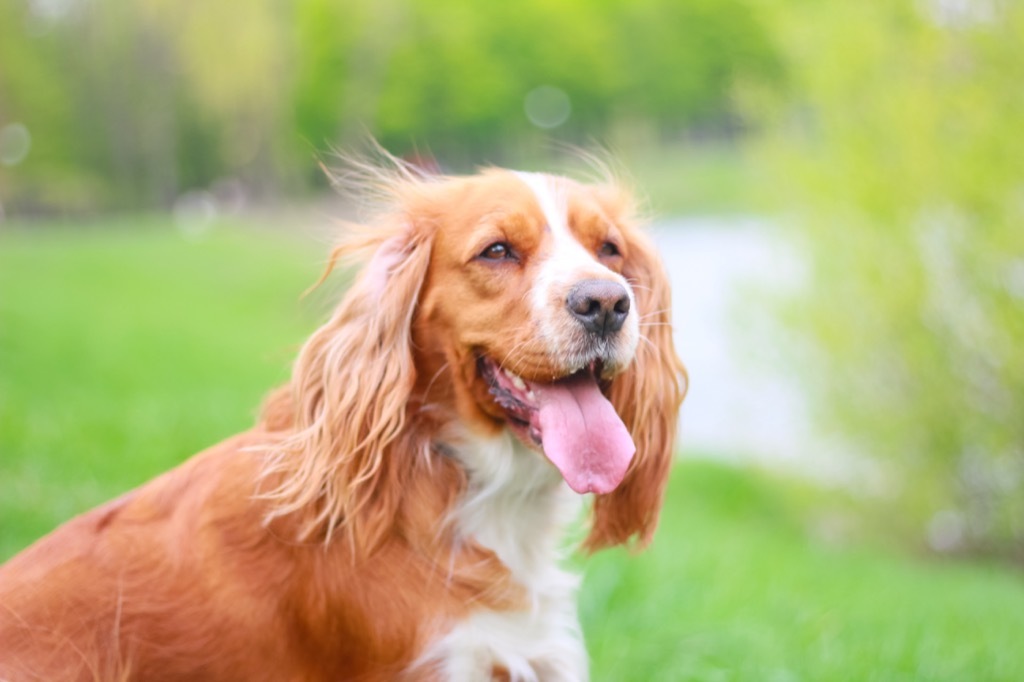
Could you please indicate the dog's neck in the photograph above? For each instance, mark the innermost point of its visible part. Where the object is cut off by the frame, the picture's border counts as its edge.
(516, 505)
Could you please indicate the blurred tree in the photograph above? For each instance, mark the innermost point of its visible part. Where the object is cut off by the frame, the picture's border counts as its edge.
(37, 90)
(456, 76)
(682, 59)
(900, 143)
(324, 35)
(132, 103)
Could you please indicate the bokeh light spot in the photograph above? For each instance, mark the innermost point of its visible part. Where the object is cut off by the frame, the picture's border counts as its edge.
(946, 530)
(547, 106)
(194, 214)
(15, 143)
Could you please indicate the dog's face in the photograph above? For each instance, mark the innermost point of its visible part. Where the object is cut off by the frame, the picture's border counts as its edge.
(526, 301)
(504, 300)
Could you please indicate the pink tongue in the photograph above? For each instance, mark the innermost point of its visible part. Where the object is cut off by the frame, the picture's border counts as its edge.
(582, 435)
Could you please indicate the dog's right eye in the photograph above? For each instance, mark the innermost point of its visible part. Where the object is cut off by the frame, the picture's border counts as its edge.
(497, 251)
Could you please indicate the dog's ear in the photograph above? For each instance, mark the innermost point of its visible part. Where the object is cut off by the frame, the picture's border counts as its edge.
(349, 393)
(647, 397)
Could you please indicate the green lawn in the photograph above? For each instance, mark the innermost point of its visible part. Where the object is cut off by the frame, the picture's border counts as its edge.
(734, 588)
(126, 348)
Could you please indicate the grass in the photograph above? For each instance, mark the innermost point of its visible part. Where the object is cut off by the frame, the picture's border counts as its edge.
(735, 588)
(124, 349)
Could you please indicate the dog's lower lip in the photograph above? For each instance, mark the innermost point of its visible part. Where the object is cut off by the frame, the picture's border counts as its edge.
(515, 395)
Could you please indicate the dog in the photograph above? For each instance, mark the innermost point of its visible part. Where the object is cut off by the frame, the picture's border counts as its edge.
(400, 509)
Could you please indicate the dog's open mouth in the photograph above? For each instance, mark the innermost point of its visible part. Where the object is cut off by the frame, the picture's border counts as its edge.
(570, 419)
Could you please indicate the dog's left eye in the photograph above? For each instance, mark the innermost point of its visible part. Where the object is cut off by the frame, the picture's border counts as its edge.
(497, 251)
(609, 249)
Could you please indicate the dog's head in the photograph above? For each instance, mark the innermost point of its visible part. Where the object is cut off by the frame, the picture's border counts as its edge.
(503, 300)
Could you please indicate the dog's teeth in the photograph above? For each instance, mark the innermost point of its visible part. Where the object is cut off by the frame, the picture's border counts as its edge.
(516, 380)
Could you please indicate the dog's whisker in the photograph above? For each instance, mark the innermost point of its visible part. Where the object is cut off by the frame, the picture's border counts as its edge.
(655, 313)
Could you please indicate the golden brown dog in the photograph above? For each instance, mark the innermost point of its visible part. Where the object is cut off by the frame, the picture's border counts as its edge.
(397, 512)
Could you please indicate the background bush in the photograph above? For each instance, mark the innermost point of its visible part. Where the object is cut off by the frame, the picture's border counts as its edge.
(899, 151)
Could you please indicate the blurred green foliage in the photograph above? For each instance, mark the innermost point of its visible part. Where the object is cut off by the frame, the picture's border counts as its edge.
(899, 143)
(129, 104)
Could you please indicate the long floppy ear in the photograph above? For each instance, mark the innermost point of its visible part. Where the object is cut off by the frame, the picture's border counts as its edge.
(647, 397)
(349, 393)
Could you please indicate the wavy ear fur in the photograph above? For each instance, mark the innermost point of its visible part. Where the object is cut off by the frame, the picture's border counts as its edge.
(647, 397)
(348, 396)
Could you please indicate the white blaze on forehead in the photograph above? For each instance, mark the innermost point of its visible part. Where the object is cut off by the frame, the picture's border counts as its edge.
(567, 263)
(551, 197)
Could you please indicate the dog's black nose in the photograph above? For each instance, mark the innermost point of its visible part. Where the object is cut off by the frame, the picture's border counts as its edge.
(600, 305)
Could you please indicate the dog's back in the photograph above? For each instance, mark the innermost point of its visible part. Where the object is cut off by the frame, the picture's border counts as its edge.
(149, 586)
(182, 579)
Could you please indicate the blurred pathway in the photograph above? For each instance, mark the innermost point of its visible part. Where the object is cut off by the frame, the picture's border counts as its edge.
(741, 404)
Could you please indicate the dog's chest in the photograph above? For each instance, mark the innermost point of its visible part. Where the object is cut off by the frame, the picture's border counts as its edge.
(518, 507)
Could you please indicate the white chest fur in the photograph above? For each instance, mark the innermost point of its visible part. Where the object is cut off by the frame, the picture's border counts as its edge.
(518, 506)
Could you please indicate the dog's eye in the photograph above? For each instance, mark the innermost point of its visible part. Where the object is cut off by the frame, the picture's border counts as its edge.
(609, 249)
(497, 251)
